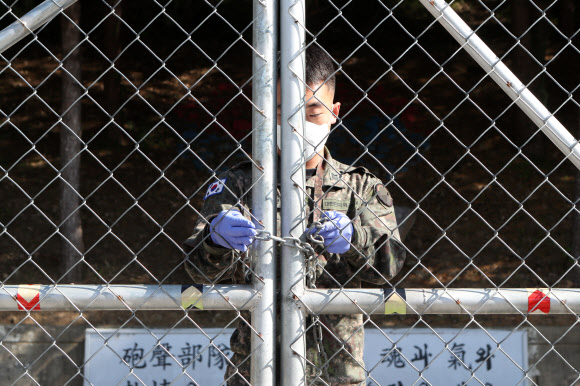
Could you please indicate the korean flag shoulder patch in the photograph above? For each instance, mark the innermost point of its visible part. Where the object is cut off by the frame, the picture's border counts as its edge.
(215, 188)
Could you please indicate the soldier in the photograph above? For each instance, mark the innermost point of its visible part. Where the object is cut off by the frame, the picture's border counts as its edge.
(361, 241)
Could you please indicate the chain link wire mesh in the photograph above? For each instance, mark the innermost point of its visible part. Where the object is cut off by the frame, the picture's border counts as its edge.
(482, 199)
(165, 98)
(490, 201)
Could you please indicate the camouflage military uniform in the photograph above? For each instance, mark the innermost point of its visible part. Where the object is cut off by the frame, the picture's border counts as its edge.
(375, 256)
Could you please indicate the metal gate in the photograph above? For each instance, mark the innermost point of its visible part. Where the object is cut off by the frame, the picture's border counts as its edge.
(485, 205)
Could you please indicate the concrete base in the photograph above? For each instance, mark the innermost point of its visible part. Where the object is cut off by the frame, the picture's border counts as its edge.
(554, 355)
(32, 355)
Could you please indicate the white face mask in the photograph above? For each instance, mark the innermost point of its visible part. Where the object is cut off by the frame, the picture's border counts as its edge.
(315, 137)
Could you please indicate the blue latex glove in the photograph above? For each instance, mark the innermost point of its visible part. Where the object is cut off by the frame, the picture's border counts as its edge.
(335, 224)
(230, 229)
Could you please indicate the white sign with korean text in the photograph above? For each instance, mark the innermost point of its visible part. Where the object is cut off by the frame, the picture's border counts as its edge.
(390, 364)
(468, 351)
(156, 364)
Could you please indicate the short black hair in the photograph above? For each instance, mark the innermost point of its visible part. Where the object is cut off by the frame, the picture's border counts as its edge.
(319, 67)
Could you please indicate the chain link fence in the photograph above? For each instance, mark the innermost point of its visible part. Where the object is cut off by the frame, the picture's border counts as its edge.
(437, 244)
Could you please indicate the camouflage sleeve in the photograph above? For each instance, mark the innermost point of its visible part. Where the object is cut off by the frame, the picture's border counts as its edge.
(376, 245)
(207, 262)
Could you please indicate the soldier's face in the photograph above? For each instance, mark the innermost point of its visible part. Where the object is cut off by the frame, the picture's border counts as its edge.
(320, 105)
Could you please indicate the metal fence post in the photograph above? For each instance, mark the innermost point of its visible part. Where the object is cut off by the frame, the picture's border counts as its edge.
(263, 371)
(33, 20)
(506, 79)
(293, 350)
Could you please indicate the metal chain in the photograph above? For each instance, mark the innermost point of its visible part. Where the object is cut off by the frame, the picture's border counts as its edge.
(305, 247)
(315, 238)
(317, 332)
(295, 242)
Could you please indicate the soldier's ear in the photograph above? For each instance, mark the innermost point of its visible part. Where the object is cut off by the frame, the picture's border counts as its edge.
(335, 111)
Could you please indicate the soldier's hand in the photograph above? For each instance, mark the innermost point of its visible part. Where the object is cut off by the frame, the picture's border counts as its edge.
(230, 229)
(336, 231)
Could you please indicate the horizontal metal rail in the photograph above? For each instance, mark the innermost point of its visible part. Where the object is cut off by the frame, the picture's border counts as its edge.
(506, 79)
(30, 22)
(320, 301)
(126, 297)
(420, 301)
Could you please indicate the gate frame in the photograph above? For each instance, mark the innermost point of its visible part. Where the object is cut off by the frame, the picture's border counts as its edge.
(297, 301)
